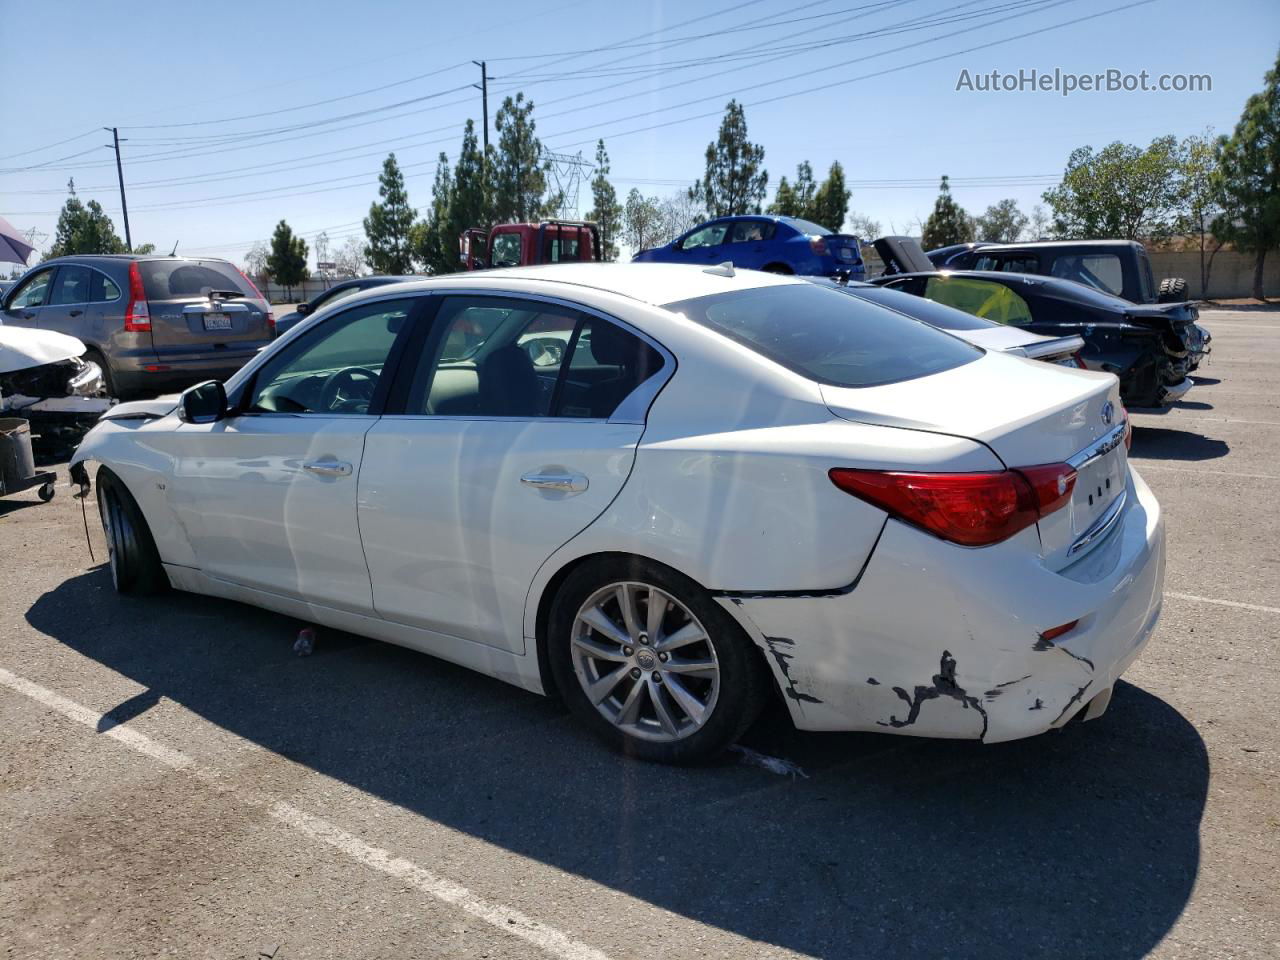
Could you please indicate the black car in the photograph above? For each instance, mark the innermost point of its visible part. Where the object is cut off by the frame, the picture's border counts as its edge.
(339, 291)
(1146, 345)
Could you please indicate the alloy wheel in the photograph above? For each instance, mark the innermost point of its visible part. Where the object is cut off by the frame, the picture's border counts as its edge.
(645, 661)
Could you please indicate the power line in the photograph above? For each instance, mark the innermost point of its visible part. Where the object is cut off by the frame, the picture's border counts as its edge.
(50, 146)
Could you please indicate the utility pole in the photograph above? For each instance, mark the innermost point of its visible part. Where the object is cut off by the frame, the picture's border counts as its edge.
(124, 207)
(483, 87)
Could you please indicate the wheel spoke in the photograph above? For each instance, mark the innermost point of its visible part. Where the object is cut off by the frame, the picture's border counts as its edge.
(600, 621)
(630, 711)
(600, 689)
(687, 702)
(657, 610)
(692, 665)
(601, 651)
(660, 707)
(689, 633)
(626, 603)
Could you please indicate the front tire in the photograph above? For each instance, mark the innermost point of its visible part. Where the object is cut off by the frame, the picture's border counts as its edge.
(131, 551)
(651, 663)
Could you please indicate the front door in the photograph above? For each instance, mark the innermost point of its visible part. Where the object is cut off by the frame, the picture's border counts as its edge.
(503, 450)
(27, 301)
(67, 308)
(268, 495)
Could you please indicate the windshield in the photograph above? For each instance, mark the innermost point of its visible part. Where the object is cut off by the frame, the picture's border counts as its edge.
(829, 336)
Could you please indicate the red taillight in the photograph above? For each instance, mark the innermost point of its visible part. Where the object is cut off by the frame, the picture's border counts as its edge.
(1053, 633)
(271, 317)
(1052, 483)
(1078, 357)
(1128, 428)
(137, 315)
(971, 509)
(818, 245)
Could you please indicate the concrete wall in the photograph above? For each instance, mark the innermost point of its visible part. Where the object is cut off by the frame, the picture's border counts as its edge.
(1230, 276)
(303, 291)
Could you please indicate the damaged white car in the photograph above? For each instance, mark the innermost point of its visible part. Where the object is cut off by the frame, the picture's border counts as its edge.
(723, 486)
(44, 380)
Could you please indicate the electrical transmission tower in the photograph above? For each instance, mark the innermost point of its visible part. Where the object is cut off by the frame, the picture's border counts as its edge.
(566, 172)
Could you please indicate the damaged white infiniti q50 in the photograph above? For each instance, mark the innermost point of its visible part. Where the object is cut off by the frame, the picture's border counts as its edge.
(663, 492)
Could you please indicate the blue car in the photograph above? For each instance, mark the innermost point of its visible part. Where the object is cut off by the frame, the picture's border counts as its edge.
(775, 244)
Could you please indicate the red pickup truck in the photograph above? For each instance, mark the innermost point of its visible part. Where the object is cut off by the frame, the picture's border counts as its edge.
(527, 244)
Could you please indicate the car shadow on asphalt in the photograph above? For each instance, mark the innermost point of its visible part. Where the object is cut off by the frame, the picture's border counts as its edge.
(1162, 443)
(1083, 842)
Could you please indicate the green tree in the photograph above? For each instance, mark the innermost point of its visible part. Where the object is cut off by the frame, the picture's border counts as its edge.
(287, 261)
(864, 227)
(145, 249)
(519, 174)
(1003, 222)
(469, 204)
(948, 223)
(641, 221)
(1123, 191)
(830, 203)
(84, 228)
(389, 223)
(1202, 200)
(735, 180)
(605, 210)
(1249, 178)
(795, 199)
(432, 246)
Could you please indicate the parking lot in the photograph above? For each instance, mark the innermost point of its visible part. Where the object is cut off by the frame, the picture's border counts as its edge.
(174, 781)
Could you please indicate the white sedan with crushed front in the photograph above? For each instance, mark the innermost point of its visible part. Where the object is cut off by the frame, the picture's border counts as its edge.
(666, 494)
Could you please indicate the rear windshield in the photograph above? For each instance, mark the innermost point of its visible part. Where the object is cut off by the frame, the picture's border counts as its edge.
(934, 314)
(829, 336)
(176, 279)
(809, 228)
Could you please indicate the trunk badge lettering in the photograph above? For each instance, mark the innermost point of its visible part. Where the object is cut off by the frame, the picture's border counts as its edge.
(1108, 413)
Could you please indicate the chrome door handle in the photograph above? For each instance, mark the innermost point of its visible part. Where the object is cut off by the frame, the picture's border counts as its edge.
(566, 482)
(327, 468)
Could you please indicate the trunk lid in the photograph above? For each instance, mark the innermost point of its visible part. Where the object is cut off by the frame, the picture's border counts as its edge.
(903, 255)
(201, 303)
(1027, 413)
(844, 248)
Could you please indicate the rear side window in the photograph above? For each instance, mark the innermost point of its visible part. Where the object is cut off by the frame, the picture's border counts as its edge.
(1101, 271)
(982, 298)
(102, 289)
(934, 314)
(829, 336)
(752, 231)
(179, 279)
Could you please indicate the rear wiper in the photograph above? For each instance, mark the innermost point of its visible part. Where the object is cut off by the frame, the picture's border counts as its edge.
(225, 294)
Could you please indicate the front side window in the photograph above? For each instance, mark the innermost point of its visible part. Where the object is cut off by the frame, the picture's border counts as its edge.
(72, 286)
(33, 293)
(982, 298)
(506, 250)
(1102, 271)
(336, 367)
(709, 236)
(829, 336)
(507, 357)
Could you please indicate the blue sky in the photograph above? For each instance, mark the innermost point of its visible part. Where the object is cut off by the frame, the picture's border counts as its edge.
(223, 140)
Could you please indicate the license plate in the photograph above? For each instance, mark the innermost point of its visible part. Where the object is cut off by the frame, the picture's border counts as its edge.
(217, 321)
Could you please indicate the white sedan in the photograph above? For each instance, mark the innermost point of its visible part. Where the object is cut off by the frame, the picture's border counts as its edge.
(666, 494)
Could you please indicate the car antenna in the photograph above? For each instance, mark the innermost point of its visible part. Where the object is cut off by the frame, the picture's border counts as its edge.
(174, 251)
(721, 269)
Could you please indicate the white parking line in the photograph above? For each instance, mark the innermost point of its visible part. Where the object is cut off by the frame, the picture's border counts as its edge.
(509, 921)
(1222, 603)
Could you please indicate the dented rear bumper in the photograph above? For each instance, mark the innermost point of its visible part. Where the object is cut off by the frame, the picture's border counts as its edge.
(942, 641)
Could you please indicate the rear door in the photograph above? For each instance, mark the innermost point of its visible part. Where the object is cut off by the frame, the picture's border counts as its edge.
(201, 305)
(516, 428)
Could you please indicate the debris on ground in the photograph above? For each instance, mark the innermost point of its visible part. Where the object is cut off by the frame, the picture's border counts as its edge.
(784, 768)
(305, 645)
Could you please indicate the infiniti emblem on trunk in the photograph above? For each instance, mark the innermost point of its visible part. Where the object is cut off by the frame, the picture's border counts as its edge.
(1108, 413)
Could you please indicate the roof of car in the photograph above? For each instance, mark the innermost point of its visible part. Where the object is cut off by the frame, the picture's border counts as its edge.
(124, 257)
(653, 283)
(1034, 244)
(1071, 289)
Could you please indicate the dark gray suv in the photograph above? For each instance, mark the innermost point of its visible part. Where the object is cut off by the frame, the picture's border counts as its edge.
(152, 323)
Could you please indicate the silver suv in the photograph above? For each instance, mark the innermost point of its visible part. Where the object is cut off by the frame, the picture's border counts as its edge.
(151, 323)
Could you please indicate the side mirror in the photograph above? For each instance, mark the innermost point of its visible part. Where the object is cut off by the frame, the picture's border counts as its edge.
(204, 403)
(303, 309)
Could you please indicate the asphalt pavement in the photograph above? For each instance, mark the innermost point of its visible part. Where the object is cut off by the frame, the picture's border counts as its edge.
(175, 782)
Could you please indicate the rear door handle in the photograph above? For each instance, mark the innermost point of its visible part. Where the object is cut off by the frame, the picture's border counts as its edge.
(564, 482)
(76, 313)
(327, 468)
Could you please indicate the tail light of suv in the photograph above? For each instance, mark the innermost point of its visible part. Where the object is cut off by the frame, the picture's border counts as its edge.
(137, 315)
(271, 317)
(971, 509)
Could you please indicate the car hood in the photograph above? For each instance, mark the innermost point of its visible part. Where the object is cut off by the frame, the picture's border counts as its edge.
(144, 409)
(22, 348)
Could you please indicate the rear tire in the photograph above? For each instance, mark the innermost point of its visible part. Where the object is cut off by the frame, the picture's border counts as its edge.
(675, 683)
(131, 551)
(1172, 290)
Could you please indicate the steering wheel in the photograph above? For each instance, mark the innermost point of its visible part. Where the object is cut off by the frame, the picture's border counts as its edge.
(348, 390)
